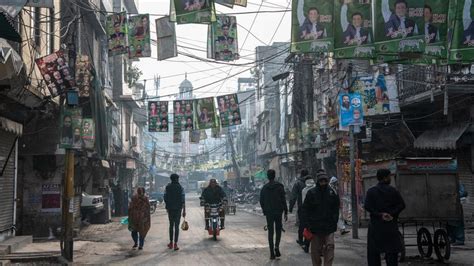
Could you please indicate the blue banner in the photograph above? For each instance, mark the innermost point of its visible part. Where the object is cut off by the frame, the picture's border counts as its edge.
(351, 110)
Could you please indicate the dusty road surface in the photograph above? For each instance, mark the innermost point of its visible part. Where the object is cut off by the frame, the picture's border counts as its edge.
(243, 242)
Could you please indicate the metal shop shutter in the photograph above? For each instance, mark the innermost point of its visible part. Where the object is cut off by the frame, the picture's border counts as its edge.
(7, 180)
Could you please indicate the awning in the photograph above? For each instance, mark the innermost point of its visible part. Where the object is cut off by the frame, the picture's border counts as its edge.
(11, 126)
(441, 138)
(10, 61)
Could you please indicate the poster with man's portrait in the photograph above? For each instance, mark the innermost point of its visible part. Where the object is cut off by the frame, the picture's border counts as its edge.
(229, 110)
(223, 35)
(139, 36)
(194, 11)
(117, 33)
(56, 73)
(312, 26)
(461, 28)
(83, 75)
(206, 113)
(379, 95)
(88, 133)
(353, 36)
(351, 111)
(71, 123)
(158, 116)
(183, 115)
(399, 26)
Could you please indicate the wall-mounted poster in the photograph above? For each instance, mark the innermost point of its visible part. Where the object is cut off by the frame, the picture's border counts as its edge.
(194, 11)
(117, 33)
(379, 95)
(158, 116)
(206, 113)
(353, 29)
(56, 73)
(351, 111)
(139, 36)
(71, 123)
(229, 110)
(51, 198)
(399, 26)
(224, 44)
(88, 133)
(83, 75)
(462, 26)
(183, 115)
(312, 26)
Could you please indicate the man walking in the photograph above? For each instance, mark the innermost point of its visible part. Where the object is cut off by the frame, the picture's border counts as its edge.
(175, 203)
(273, 203)
(296, 197)
(320, 215)
(384, 203)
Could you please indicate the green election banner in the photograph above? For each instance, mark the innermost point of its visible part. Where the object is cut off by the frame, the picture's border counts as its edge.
(194, 11)
(139, 36)
(399, 26)
(312, 26)
(436, 29)
(353, 29)
(117, 33)
(206, 113)
(462, 27)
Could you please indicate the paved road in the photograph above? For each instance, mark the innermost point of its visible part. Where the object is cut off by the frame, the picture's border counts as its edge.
(243, 242)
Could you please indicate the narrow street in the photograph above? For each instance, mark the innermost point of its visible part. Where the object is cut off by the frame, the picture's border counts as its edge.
(243, 242)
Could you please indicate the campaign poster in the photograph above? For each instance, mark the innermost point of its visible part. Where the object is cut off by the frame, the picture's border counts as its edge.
(206, 113)
(229, 110)
(117, 33)
(240, 3)
(158, 116)
(71, 123)
(379, 95)
(224, 46)
(194, 11)
(56, 73)
(461, 28)
(88, 133)
(83, 75)
(166, 38)
(183, 115)
(139, 36)
(312, 26)
(399, 26)
(436, 29)
(353, 36)
(351, 110)
(50, 197)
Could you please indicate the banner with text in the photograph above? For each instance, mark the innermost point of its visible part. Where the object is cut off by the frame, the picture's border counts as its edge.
(206, 113)
(83, 75)
(117, 33)
(56, 73)
(223, 35)
(229, 110)
(194, 11)
(183, 115)
(379, 95)
(158, 116)
(139, 36)
(351, 111)
(71, 123)
(462, 26)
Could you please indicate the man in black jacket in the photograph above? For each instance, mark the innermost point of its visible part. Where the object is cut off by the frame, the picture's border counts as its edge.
(273, 203)
(296, 197)
(214, 194)
(320, 216)
(384, 203)
(175, 203)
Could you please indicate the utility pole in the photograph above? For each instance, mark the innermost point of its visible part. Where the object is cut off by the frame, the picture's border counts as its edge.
(354, 207)
(67, 247)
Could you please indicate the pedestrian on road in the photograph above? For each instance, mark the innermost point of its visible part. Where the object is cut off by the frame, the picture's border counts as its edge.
(175, 206)
(213, 194)
(310, 183)
(384, 203)
(273, 203)
(320, 215)
(334, 184)
(139, 217)
(296, 197)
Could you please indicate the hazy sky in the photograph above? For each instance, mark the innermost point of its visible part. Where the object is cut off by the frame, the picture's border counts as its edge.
(195, 35)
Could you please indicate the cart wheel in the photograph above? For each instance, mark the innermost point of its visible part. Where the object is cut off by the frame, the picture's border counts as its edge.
(424, 242)
(442, 246)
(401, 255)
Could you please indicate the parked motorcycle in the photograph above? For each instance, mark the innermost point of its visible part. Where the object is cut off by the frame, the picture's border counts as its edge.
(214, 220)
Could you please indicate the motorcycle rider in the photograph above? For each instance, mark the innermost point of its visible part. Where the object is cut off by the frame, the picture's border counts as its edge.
(213, 194)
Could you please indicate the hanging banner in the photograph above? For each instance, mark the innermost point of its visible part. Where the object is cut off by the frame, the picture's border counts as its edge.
(194, 11)
(240, 3)
(183, 115)
(462, 27)
(56, 73)
(88, 133)
(165, 38)
(229, 110)
(226, 3)
(353, 29)
(206, 113)
(177, 137)
(71, 122)
(351, 110)
(379, 96)
(139, 36)
(223, 36)
(83, 75)
(117, 33)
(312, 26)
(158, 116)
(399, 26)
(436, 29)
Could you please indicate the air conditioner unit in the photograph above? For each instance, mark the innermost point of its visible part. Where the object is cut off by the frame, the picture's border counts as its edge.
(134, 141)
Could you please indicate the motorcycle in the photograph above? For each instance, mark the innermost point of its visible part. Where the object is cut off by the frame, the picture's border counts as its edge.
(153, 205)
(214, 220)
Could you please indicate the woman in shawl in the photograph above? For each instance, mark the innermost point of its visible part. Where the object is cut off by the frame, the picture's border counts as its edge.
(139, 217)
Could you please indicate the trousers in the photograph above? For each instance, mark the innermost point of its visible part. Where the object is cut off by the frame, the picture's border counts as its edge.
(174, 216)
(274, 226)
(322, 244)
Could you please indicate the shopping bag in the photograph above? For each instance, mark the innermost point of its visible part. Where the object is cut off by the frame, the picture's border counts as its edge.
(185, 226)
